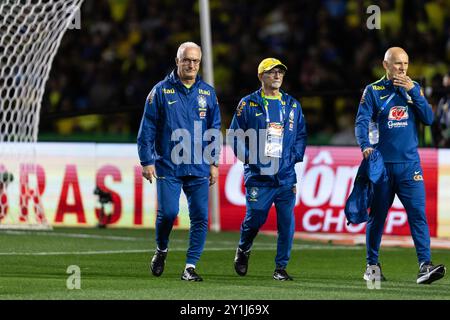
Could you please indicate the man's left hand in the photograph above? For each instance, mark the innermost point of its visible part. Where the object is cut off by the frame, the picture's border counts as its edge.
(403, 81)
(213, 174)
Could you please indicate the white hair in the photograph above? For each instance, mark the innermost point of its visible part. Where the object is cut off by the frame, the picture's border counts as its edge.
(186, 45)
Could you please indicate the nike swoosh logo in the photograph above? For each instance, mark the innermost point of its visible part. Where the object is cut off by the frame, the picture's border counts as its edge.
(258, 114)
(416, 172)
(384, 97)
(171, 102)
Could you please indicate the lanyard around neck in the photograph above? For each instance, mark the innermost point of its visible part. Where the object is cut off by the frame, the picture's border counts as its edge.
(266, 104)
(385, 104)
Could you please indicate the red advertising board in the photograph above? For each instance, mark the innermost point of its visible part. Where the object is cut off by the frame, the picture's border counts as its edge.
(325, 179)
(65, 176)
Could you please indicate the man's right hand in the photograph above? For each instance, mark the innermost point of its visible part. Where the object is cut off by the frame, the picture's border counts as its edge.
(367, 152)
(148, 172)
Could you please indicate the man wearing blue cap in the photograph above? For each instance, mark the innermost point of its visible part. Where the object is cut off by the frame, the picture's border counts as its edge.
(386, 121)
(275, 120)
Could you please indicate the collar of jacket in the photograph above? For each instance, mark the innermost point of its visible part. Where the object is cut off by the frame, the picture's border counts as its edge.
(256, 97)
(173, 79)
(390, 86)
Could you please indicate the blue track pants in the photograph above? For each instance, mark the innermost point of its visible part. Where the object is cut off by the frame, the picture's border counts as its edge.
(197, 191)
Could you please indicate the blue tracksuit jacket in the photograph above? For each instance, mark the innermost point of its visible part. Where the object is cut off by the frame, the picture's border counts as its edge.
(251, 114)
(371, 171)
(397, 122)
(171, 106)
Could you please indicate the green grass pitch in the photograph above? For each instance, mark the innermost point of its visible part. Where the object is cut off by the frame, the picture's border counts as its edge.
(114, 264)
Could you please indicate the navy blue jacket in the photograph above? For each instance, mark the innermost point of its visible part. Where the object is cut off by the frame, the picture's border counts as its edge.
(371, 171)
(171, 106)
(398, 139)
(251, 114)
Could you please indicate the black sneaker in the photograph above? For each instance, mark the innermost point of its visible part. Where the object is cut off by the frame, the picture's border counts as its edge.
(429, 273)
(241, 261)
(371, 271)
(189, 274)
(158, 262)
(282, 275)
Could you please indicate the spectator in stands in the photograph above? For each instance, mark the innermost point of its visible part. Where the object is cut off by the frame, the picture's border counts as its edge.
(119, 35)
(442, 116)
(345, 136)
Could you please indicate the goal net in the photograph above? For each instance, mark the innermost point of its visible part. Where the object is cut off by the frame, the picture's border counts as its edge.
(30, 34)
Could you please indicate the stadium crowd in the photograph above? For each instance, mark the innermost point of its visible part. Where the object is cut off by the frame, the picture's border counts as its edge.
(105, 70)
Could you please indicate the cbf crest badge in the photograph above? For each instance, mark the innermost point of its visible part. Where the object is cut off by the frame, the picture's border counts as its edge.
(291, 120)
(201, 101)
(253, 194)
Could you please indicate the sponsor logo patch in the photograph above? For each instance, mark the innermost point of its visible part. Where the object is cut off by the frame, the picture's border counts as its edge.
(397, 124)
(239, 108)
(398, 113)
(205, 92)
(168, 91)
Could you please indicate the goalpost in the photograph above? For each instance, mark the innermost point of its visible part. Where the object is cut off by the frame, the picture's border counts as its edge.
(30, 35)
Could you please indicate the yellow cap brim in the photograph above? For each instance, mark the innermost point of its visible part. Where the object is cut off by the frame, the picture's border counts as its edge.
(270, 67)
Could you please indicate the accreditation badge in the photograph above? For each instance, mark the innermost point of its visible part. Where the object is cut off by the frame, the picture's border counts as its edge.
(274, 140)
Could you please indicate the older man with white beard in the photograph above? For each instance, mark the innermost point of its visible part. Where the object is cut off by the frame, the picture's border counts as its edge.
(283, 141)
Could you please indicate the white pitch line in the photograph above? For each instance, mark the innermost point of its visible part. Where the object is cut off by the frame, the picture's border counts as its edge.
(98, 252)
(58, 253)
(95, 236)
(74, 235)
(100, 237)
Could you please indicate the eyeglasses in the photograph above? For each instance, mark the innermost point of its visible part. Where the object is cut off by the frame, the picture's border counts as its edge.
(189, 61)
(273, 72)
